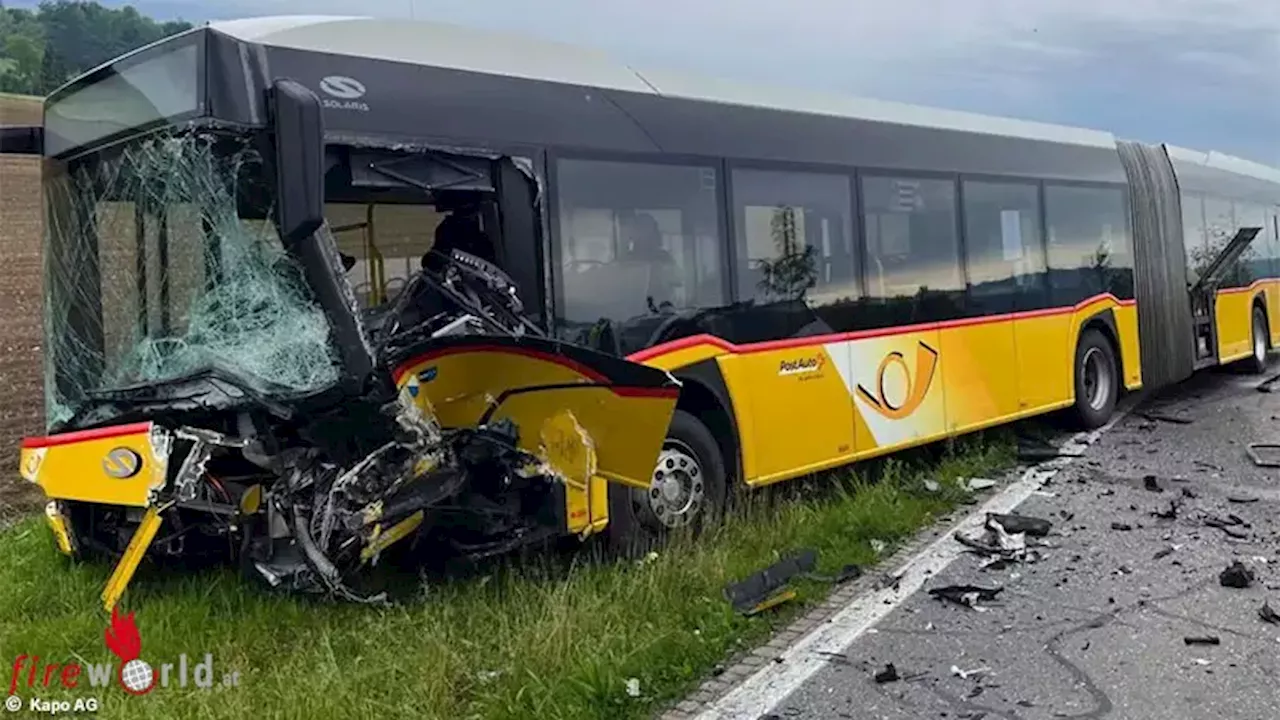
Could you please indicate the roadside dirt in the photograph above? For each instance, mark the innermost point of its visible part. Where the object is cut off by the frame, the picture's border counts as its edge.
(22, 411)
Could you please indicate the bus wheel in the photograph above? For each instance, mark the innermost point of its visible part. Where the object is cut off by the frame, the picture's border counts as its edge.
(1257, 362)
(1097, 379)
(687, 493)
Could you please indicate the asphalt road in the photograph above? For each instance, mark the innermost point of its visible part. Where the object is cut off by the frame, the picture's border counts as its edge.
(1096, 628)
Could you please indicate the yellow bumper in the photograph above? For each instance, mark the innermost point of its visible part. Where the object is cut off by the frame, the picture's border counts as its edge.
(123, 465)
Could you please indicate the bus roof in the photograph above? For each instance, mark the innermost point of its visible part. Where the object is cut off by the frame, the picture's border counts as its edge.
(443, 45)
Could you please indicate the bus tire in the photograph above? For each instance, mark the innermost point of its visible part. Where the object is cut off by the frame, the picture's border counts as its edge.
(1257, 362)
(688, 492)
(1097, 379)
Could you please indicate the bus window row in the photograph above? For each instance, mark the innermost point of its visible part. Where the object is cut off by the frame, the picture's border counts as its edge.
(1209, 223)
(643, 247)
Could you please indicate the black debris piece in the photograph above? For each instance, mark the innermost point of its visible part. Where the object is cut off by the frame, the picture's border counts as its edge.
(1169, 513)
(1241, 500)
(1264, 454)
(890, 582)
(768, 587)
(1268, 615)
(847, 573)
(975, 692)
(1236, 576)
(1122, 527)
(1151, 483)
(1228, 525)
(1189, 494)
(1162, 553)
(1162, 417)
(1202, 640)
(1037, 454)
(887, 675)
(1267, 385)
(1014, 523)
(966, 595)
(1206, 465)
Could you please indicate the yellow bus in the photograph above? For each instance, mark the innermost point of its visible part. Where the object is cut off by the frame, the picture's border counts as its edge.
(641, 289)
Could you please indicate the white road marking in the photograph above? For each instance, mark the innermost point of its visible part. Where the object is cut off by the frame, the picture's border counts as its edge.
(761, 692)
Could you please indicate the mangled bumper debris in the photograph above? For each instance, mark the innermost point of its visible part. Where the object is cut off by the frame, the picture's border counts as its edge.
(524, 461)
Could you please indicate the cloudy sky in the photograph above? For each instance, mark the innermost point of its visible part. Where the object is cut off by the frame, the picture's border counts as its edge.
(1199, 73)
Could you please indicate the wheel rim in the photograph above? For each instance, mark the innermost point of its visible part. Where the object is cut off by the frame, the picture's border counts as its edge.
(1259, 340)
(677, 492)
(1097, 378)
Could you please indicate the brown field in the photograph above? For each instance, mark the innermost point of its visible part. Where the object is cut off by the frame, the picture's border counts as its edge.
(22, 410)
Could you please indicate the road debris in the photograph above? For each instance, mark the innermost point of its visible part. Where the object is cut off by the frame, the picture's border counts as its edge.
(1189, 494)
(1202, 640)
(966, 674)
(1163, 417)
(768, 588)
(887, 675)
(1267, 614)
(1121, 527)
(932, 486)
(1170, 513)
(1264, 454)
(967, 595)
(1228, 525)
(1151, 483)
(1014, 523)
(1160, 554)
(878, 546)
(846, 573)
(1241, 500)
(1267, 385)
(975, 484)
(1236, 576)
(633, 687)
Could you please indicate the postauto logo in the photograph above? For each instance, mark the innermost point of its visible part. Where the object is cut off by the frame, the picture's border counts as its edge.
(802, 365)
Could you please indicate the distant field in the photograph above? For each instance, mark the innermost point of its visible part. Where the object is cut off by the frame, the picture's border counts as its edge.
(21, 411)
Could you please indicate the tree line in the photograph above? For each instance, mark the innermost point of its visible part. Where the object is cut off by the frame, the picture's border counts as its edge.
(43, 48)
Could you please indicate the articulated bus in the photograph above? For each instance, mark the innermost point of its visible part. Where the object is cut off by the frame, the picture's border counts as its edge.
(829, 279)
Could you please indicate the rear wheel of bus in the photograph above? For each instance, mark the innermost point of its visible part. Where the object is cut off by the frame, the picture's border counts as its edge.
(1257, 362)
(687, 493)
(1097, 379)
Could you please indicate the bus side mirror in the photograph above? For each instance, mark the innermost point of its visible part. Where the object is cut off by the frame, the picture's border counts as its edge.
(299, 144)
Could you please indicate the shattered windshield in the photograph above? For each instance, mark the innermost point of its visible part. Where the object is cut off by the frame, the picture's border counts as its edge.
(161, 262)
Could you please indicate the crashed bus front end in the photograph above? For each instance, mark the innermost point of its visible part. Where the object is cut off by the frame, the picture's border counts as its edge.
(215, 387)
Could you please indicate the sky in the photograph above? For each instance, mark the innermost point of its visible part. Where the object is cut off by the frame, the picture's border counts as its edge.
(1203, 74)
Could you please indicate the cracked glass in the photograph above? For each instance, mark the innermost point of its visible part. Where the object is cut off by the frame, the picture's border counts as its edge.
(157, 270)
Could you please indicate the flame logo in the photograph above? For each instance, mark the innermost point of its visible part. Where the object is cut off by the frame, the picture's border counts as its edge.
(917, 388)
(122, 638)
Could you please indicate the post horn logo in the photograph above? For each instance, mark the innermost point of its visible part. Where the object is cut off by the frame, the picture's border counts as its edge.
(122, 463)
(917, 383)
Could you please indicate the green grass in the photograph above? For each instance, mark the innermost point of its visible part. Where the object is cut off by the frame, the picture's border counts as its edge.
(555, 638)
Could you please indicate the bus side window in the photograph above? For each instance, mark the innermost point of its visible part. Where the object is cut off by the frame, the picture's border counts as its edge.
(635, 240)
(913, 253)
(1004, 248)
(1090, 245)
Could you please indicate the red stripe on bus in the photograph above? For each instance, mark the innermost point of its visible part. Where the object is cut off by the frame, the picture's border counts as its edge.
(83, 435)
(746, 348)
(590, 373)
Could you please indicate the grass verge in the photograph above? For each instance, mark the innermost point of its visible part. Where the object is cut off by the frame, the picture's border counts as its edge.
(547, 639)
